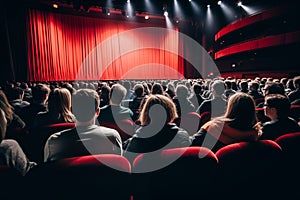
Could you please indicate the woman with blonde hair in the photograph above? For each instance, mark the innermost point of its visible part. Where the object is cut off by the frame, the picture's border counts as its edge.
(59, 109)
(238, 124)
(157, 130)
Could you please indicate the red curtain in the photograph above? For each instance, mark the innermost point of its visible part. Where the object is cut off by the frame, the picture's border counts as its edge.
(67, 47)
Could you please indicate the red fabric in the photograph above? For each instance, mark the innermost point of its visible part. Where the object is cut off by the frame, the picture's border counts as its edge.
(59, 44)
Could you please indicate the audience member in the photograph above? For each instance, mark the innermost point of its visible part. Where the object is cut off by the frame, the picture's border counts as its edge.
(238, 124)
(157, 129)
(196, 97)
(59, 109)
(217, 105)
(16, 96)
(183, 104)
(228, 90)
(11, 154)
(277, 108)
(295, 94)
(114, 111)
(86, 138)
(135, 105)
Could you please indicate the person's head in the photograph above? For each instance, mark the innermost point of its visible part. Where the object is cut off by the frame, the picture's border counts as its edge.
(197, 88)
(182, 91)
(273, 88)
(277, 106)
(16, 93)
(244, 85)
(105, 91)
(241, 110)
(5, 106)
(228, 84)
(253, 86)
(218, 88)
(138, 90)
(3, 124)
(40, 93)
(85, 105)
(117, 94)
(161, 100)
(157, 89)
(296, 82)
(59, 103)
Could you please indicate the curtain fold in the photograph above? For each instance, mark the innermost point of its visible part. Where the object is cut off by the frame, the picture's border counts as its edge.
(64, 47)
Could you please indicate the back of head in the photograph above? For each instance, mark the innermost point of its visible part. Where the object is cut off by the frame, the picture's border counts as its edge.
(117, 93)
(139, 90)
(197, 88)
(296, 81)
(156, 88)
(280, 102)
(274, 88)
(5, 106)
(40, 92)
(146, 116)
(182, 91)
(218, 87)
(15, 93)
(85, 102)
(59, 101)
(241, 110)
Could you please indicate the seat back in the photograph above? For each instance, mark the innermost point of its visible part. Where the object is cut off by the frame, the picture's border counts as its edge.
(39, 136)
(244, 165)
(290, 164)
(104, 176)
(189, 122)
(10, 181)
(179, 173)
(124, 127)
(204, 117)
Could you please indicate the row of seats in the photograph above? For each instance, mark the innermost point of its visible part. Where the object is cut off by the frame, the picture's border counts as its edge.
(245, 170)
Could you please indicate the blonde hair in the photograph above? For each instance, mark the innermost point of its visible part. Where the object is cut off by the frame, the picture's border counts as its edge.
(162, 100)
(59, 104)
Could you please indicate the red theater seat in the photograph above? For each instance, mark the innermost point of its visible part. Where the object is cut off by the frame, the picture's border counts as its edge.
(103, 176)
(124, 127)
(244, 166)
(189, 122)
(180, 173)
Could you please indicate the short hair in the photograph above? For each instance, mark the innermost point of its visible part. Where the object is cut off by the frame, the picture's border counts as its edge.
(182, 91)
(296, 81)
(117, 93)
(254, 85)
(197, 88)
(85, 102)
(280, 102)
(162, 100)
(218, 86)
(15, 92)
(274, 88)
(157, 88)
(39, 92)
(139, 90)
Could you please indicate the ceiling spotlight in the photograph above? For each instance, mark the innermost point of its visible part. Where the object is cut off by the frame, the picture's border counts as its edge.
(147, 17)
(219, 3)
(208, 6)
(55, 5)
(190, 0)
(166, 14)
(239, 3)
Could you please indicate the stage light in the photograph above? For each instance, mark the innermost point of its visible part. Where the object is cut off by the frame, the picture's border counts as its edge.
(208, 6)
(147, 17)
(219, 3)
(166, 13)
(239, 4)
(55, 5)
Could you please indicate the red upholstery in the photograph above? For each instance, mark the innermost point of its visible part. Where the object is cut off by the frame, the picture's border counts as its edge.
(290, 165)
(246, 164)
(182, 173)
(38, 137)
(189, 122)
(124, 127)
(204, 117)
(103, 176)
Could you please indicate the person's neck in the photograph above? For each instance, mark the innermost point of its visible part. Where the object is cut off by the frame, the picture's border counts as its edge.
(89, 123)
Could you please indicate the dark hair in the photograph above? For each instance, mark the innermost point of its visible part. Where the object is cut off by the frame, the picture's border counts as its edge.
(218, 86)
(241, 111)
(280, 102)
(85, 102)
